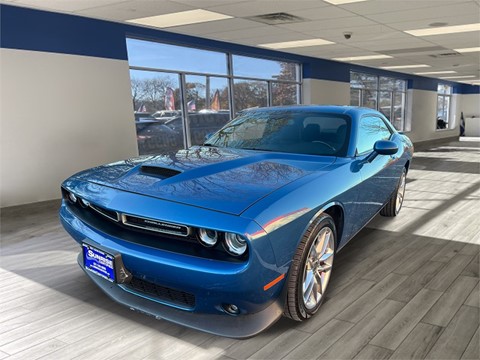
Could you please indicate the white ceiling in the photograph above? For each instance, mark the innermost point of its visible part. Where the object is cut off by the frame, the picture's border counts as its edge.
(376, 25)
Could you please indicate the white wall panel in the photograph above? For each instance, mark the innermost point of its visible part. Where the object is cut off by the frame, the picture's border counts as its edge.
(60, 114)
(471, 105)
(326, 92)
(423, 115)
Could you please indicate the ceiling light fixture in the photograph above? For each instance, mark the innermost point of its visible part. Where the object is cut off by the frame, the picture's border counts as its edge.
(180, 18)
(444, 30)
(404, 66)
(296, 44)
(365, 57)
(341, 2)
(458, 77)
(467, 50)
(436, 72)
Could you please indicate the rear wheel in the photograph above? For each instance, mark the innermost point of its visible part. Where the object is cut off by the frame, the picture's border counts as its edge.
(311, 269)
(396, 201)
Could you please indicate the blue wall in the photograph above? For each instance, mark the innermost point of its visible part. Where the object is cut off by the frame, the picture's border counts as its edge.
(28, 29)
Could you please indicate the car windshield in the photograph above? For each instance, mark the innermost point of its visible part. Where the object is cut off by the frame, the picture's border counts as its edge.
(288, 131)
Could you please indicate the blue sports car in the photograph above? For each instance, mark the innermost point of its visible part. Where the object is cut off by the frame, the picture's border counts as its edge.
(229, 236)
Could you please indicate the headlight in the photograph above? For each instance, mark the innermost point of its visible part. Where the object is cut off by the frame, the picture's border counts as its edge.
(72, 197)
(83, 203)
(235, 244)
(208, 237)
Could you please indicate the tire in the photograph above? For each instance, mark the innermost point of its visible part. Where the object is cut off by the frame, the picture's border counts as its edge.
(394, 205)
(311, 269)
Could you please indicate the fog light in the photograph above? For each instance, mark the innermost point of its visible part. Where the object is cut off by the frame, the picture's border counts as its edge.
(231, 309)
(235, 244)
(208, 237)
(72, 197)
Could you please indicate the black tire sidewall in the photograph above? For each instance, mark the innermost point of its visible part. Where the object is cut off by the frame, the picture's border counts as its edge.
(323, 221)
(404, 173)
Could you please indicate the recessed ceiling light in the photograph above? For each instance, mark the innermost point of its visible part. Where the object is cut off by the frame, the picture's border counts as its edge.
(341, 2)
(365, 57)
(444, 30)
(436, 72)
(467, 50)
(297, 43)
(404, 67)
(180, 18)
(458, 77)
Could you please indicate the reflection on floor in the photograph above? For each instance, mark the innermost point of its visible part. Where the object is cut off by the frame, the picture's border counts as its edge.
(404, 288)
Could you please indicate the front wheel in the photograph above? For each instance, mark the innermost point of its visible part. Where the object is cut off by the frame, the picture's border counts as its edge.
(311, 269)
(396, 201)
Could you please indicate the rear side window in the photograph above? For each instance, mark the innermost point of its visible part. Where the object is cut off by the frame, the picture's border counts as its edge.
(370, 130)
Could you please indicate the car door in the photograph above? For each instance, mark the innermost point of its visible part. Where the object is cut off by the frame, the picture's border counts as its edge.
(379, 178)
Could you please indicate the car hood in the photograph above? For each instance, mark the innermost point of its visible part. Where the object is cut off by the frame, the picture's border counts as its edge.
(225, 180)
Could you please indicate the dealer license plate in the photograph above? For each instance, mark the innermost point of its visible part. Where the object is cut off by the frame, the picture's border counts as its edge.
(99, 262)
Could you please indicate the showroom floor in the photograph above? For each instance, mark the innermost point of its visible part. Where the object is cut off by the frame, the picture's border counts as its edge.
(404, 288)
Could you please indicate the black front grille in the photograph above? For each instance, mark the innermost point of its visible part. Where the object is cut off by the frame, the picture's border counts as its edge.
(155, 225)
(166, 294)
(112, 215)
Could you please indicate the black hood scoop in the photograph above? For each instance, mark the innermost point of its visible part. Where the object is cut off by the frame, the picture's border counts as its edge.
(158, 171)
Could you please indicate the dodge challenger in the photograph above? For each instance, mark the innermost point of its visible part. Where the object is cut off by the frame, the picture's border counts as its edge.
(229, 236)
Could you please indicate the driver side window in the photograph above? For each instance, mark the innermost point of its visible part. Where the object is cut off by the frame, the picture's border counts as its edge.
(370, 130)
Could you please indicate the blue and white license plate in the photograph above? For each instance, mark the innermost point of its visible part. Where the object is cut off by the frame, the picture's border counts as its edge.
(99, 262)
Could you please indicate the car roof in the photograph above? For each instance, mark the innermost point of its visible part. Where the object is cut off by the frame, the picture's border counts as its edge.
(335, 109)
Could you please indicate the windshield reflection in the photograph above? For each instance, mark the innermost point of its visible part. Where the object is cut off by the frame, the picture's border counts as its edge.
(288, 131)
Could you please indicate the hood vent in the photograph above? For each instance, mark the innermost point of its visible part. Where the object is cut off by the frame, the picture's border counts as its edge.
(276, 18)
(161, 172)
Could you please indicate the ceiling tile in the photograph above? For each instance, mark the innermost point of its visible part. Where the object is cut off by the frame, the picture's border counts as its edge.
(453, 9)
(326, 12)
(389, 6)
(228, 25)
(253, 33)
(67, 6)
(265, 7)
(317, 25)
(127, 10)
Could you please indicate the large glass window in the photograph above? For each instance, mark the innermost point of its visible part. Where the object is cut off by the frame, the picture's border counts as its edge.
(207, 106)
(181, 94)
(385, 94)
(156, 99)
(444, 101)
(154, 55)
(244, 66)
(249, 93)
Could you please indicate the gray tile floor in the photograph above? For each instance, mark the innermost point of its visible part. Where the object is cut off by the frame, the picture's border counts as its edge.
(404, 288)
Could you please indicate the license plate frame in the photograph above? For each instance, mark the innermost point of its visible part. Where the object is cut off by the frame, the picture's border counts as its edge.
(99, 262)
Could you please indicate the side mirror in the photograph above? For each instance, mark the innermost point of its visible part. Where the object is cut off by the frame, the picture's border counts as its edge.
(385, 147)
(382, 147)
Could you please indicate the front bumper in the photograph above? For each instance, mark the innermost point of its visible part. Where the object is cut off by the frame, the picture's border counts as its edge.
(212, 282)
(241, 326)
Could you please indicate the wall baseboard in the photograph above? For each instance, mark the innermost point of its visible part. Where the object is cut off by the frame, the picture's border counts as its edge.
(420, 145)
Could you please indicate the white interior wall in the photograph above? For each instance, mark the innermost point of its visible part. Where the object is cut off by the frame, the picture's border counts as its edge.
(59, 114)
(422, 111)
(326, 92)
(471, 105)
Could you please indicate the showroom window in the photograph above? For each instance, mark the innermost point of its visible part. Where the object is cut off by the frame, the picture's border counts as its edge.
(182, 94)
(385, 94)
(444, 102)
